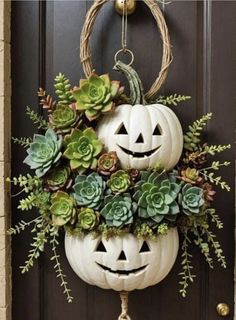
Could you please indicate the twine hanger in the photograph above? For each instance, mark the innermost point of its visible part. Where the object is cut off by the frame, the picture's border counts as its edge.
(124, 297)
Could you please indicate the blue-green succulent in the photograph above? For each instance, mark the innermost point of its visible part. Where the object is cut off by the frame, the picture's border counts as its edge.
(191, 199)
(118, 210)
(156, 197)
(43, 152)
(89, 190)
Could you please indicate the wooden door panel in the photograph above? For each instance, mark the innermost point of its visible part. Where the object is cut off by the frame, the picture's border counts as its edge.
(45, 41)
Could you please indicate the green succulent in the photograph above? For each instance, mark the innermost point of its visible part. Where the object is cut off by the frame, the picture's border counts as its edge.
(88, 219)
(63, 118)
(118, 210)
(58, 178)
(191, 199)
(156, 197)
(82, 148)
(119, 181)
(95, 95)
(43, 152)
(63, 208)
(89, 190)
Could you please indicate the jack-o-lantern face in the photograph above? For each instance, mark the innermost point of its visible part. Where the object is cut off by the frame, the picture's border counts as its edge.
(122, 263)
(142, 136)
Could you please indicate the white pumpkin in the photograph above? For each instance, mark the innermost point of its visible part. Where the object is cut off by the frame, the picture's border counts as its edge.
(122, 263)
(143, 135)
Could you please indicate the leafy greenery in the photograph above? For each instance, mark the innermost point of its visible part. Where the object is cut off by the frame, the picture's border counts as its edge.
(173, 99)
(63, 89)
(212, 150)
(36, 118)
(192, 137)
(216, 180)
(24, 142)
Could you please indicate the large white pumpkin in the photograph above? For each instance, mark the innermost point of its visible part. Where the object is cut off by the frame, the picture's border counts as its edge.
(143, 135)
(122, 263)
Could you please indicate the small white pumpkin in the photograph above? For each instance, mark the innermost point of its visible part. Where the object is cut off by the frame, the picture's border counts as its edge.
(143, 135)
(122, 263)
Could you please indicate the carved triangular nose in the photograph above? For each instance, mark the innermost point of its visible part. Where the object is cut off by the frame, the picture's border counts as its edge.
(140, 139)
(122, 256)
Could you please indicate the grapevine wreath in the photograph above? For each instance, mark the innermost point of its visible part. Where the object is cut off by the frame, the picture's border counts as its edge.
(118, 176)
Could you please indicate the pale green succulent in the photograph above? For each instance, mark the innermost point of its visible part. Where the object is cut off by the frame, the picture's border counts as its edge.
(88, 219)
(57, 178)
(89, 190)
(191, 199)
(119, 181)
(63, 208)
(82, 148)
(44, 151)
(95, 95)
(156, 197)
(119, 210)
(63, 118)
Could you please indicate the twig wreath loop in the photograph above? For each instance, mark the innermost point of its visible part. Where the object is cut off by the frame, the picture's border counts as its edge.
(85, 53)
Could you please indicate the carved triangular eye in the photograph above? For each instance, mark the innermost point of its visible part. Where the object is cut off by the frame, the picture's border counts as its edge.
(121, 129)
(157, 130)
(101, 247)
(145, 247)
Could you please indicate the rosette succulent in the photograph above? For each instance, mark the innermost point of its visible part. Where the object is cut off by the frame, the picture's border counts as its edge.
(156, 197)
(118, 210)
(119, 181)
(95, 95)
(191, 199)
(88, 219)
(43, 152)
(107, 163)
(82, 148)
(63, 208)
(58, 177)
(89, 190)
(63, 118)
(191, 175)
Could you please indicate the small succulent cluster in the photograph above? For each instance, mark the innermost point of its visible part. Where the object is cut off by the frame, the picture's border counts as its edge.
(80, 187)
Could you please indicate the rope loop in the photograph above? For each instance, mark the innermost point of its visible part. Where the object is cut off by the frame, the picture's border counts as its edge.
(124, 297)
(85, 53)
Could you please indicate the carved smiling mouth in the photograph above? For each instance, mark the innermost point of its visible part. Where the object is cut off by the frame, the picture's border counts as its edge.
(139, 154)
(123, 272)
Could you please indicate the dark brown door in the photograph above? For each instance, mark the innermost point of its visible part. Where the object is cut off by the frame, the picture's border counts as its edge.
(45, 41)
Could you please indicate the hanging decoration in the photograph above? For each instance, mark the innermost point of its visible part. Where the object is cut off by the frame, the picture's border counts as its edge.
(120, 188)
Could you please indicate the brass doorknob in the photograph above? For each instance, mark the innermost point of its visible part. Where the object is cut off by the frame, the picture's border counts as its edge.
(119, 6)
(223, 309)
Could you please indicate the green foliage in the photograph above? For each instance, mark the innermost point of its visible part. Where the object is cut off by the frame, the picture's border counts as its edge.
(63, 118)
(119, 181)
(22, 225)
(214, 217)
(215, 165)
(63, 208)
(37, 245)
(191, 199)
(57, 265)
(173, 99)
(204, 247)
(88, 219)
(186, 274)
(63, 89)
(216, 180)
(109, 232)
(37, 119)
(27, 203)
(27, 182)
(212, 150)
(24, 142)
(192, 137)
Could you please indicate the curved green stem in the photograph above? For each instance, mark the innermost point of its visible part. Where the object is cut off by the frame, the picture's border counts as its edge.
(136, 87)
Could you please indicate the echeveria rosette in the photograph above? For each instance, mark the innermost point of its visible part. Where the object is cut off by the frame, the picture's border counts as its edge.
(58, 178)
(118, 210)
(89, 190)
(119, 181)
(82, 149)
(156, 197)
(191, 199)
(88, 219)
(95, 95)
(63, 118)
(62, 209)
(108, 163)
(43, 152)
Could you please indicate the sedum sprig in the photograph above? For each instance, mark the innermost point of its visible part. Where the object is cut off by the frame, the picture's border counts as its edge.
(22, 225)
(173, 99)
(192, 137)
(214, 217)
(63, 89)
(27, 182)
(186, 274)
(37, 119)
(57, 266)
(23, 141)
(212, 150)
(216, 180)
